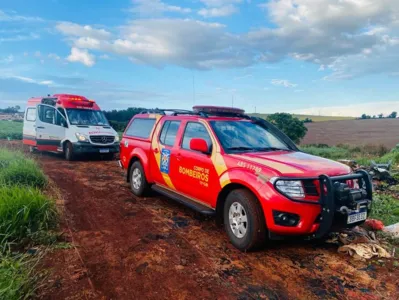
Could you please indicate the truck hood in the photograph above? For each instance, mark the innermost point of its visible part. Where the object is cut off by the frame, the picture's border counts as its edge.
(292, 164)
(94, 130)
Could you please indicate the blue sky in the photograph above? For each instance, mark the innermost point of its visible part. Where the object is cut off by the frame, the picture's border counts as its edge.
(330, 57)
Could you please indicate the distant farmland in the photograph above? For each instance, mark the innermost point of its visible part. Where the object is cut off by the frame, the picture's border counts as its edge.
(313, 117)
(354, 132)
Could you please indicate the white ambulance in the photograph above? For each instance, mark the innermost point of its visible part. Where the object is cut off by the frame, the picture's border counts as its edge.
(68, 124)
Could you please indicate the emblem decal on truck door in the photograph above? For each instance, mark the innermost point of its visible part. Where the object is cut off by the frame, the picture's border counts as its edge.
(165, 161)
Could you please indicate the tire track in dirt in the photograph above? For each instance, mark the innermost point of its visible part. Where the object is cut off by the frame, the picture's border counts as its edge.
(153, 248)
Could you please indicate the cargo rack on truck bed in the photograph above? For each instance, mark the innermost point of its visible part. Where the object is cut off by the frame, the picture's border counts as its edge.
(176, 112)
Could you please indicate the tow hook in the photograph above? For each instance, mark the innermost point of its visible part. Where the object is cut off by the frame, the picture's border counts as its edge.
(344, 210)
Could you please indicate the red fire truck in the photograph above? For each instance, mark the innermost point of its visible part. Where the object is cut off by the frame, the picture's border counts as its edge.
(220, 161)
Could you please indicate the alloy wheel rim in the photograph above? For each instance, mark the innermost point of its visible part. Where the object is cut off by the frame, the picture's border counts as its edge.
(238, 220)
(136, 179)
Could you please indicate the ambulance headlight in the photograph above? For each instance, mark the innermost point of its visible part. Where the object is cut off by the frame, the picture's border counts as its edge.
(81, 137)
(291, 188)
(117, 138)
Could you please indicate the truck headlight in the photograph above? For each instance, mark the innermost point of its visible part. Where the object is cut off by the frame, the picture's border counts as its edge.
(117, 138)
(81, 137)
(291, 188)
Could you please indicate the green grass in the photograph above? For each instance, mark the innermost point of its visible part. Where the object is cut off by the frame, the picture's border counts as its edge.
(27, 217)
(386, 209)
(11, 130)
(24, 212)
(362, 154)
(16, 169)
(314, 118)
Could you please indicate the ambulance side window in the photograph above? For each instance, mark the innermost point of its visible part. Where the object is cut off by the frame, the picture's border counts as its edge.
(31, 114)
(47, 114)
(195, 130)
(169, 132)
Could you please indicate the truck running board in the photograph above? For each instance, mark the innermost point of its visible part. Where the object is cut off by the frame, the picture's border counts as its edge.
(185, 201)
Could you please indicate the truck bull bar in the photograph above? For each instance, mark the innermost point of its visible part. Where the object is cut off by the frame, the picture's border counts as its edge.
(336, 196)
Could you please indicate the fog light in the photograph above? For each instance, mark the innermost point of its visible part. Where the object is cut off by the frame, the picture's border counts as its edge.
(285, 219)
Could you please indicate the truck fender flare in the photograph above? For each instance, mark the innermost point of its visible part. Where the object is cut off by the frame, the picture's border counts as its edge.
(139, 155)
(251, 181)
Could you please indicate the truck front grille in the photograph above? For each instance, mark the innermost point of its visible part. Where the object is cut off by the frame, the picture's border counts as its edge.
(102, 139)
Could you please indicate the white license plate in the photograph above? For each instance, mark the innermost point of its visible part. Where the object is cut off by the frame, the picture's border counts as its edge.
(357, 217)
(104, 150)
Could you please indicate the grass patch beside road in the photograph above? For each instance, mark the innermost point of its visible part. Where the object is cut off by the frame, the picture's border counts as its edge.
(26, 216)
(11, 130)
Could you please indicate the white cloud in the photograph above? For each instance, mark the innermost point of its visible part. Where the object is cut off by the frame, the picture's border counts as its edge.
(19, 38)
(7, 60)
(214, 12)
(352, 110)
(156, 7)
(38, 54)
(347, 38)
(53, 56)
(73, 29)
(184, 42)
(283, 82)
(13, 17)
(82, 56)
(218, 3)
(243, 76)
(26, 79)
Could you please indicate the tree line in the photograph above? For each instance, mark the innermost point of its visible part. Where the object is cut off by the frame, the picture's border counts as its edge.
(392, 115)
(10, 109)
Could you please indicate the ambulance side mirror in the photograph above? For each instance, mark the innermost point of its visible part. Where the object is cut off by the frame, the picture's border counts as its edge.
(199, 145)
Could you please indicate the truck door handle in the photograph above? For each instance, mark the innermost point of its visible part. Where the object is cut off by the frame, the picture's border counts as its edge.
(156, 150)
(178, 157)
(40, 127)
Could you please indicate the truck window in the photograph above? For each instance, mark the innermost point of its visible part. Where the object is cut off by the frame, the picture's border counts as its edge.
(47, 114)
(140, 128)
(31, 114)
(169, 132)
(195, 130)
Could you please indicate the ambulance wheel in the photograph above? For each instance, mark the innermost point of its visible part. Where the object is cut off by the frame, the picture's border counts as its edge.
(138, 182)
(68, 151)
(243, 220)
(32, 149)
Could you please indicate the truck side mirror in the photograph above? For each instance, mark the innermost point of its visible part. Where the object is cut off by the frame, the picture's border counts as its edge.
(199, 145)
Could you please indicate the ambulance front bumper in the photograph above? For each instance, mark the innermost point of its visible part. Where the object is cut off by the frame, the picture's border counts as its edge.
(87, 148)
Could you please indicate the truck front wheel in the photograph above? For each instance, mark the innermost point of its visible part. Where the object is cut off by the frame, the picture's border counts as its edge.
(243, 220)
(68, 151)
(138, 182)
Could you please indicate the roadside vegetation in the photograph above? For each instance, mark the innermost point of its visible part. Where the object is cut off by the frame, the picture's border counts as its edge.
(11, 130)
(27, 218)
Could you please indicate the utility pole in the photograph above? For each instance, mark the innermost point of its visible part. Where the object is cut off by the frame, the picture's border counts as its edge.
(255, 109)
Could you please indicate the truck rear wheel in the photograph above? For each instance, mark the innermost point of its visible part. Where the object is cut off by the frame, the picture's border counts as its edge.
(68, 151)
(243, 220)
(138, 182)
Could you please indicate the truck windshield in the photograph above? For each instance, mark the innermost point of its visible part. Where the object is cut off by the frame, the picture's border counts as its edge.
(86, 117)
(246, 136)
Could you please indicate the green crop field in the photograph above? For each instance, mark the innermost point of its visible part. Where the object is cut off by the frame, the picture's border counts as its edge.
(11, 130)
(314, 118)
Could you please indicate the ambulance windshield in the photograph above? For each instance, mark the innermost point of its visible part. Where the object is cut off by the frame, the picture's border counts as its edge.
(87, 117)
(243, 136)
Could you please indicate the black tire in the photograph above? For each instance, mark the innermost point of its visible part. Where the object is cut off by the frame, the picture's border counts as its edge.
(142, 188)
(68, 151)
(255, 234)
(32, 149)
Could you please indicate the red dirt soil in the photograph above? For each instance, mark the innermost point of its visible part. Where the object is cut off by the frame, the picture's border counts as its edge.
(153, 248)
(354, 132)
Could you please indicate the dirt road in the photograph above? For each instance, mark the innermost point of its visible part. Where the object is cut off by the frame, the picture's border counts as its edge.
(153, 248)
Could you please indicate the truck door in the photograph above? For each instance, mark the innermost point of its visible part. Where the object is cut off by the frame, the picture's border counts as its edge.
(29, 129)
(165, 149)
(196, 171)
(50, 128)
